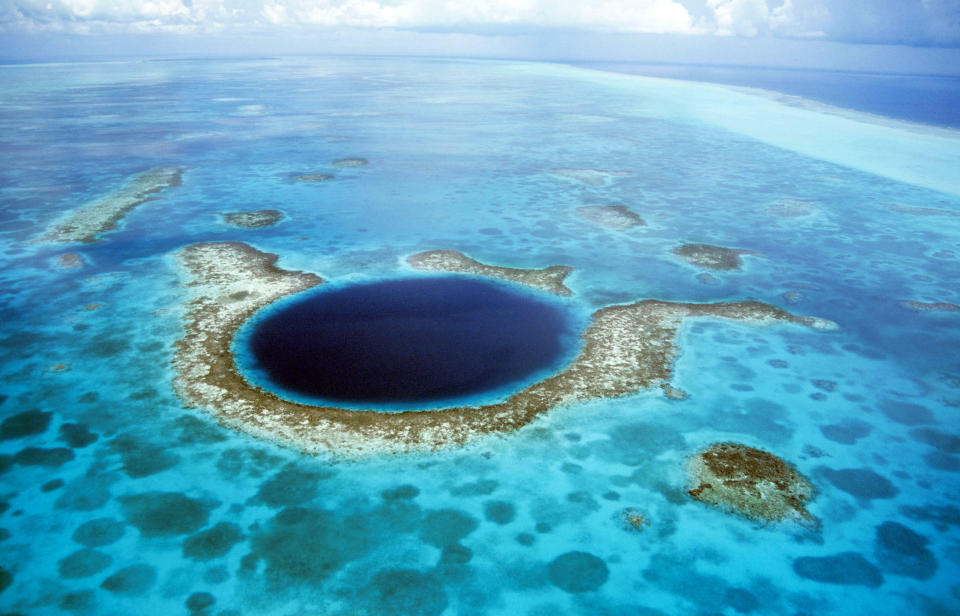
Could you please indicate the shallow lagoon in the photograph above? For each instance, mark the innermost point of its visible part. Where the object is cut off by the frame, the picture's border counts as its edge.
(117, 499)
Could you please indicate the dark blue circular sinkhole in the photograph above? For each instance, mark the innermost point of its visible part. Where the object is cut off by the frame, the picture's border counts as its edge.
(409, 340)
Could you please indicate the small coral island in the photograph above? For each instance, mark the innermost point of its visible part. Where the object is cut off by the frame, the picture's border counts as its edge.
(711, 257)
(252, 219)
(750, 482)
(618, 217)
(625, 349)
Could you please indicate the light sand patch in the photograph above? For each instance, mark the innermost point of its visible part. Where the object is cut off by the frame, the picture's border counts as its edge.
(625, 349)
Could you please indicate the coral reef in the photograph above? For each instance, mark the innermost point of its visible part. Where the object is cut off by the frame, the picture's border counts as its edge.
(252, 219)
(711, 257)
(618, 217)
(750, 482)
(311, 177)
(351, 162)
(930, 306)
(625, 349)
(549, 279)
(86, 223)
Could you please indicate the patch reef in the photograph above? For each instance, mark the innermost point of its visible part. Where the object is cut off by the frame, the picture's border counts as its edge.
(750, 482)
(86, 223)
(625, 349)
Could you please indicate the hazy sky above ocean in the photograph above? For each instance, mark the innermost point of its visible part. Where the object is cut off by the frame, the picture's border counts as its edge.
(875, 35)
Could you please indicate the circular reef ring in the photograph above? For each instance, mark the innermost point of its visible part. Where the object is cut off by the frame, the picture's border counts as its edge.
(625, 349)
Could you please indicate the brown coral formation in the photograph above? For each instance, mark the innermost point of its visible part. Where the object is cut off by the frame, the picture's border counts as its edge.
(750, 482)
(625, 349)
(86, 223)
(311, 177)
(252, 219)
(633, 519)
(618, 217)
(930, 306)
(351, 162)
(792, 208)
(549, 279)
(710, 256)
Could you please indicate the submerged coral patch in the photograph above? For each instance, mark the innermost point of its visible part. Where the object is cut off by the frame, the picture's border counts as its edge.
(83, 563)
(862, 483)
(625, 349)
(618, 217)
(133, 580)
(578, 572)
(213, 542)
(98, 532)
(350, 162)
(27, 423)
(750, 482)
(311, 177)
(590, 177)
(846, 569)
(902, 551)
(165, 514)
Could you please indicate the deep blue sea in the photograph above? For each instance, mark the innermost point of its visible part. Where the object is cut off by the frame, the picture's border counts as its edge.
(116, 499)
(927, 99)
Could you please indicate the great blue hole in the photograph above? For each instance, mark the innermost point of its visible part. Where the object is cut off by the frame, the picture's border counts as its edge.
(407, 340)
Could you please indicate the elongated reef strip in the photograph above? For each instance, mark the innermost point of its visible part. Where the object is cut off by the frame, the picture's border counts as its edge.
(750, 482)
(710, 256)
(625, 349)
(549, 279)
(86, 223)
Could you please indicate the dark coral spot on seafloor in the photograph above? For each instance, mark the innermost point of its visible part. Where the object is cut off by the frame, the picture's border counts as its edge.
(406, 592)
(499, 512)
(401, 493)
(77, 435)
(6, 461)
(941, 441)
(446, 526)
(83, 563)
(80, 601)
(212, 542)
(133, 580)
(862, 483)
(846, 569)
(53, 484)
(200, 601)
(6, 579)
(906, 413)
(292, 485)
(165, 514)
(87, 493)
(847, 432)
(480, 487)
(27, 423)
(577, 572)
(98, 532)
(40, 456)
(902, 551)
(310, 545)
(141, 458)
(742, 601)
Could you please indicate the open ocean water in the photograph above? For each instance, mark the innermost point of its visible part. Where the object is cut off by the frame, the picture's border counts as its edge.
(115, 499)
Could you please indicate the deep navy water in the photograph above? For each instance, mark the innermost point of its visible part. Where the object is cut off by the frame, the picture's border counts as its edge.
(925, 99)
(116, 498)
(415, 339)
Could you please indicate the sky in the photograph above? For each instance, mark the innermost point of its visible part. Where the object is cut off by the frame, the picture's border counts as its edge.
(922, 35)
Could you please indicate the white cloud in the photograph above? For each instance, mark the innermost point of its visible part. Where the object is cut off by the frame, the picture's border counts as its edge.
(658, 16)
(740, 17)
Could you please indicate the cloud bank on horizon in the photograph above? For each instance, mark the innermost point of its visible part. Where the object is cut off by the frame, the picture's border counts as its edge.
(910, 22)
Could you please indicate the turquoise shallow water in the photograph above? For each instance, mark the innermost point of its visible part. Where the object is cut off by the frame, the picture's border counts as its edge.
(115, 499)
